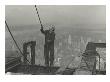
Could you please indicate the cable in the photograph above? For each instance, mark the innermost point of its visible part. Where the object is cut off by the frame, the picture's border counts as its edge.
(14, 40)
(38, 16)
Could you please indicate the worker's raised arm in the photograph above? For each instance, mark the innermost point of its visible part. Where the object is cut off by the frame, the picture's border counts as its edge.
(42, 30)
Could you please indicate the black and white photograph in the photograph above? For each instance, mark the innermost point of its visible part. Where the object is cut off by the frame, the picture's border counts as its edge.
(55, 40)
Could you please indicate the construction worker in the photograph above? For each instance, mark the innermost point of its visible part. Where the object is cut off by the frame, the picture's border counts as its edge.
(49, 45)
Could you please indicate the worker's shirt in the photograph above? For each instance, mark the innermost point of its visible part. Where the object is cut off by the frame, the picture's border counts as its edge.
(49, 37)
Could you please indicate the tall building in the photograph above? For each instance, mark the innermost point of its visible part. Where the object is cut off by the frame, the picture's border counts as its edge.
(69, 40)
(82, 45)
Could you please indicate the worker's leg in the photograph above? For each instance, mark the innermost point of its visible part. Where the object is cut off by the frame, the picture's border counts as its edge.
(46, 55)
(51, 54)
(94, 67)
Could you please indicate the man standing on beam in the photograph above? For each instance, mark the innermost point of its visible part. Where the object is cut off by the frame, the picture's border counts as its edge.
(49, 45)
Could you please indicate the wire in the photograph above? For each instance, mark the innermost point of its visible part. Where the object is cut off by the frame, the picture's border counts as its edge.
(38, 16)
(14, 40)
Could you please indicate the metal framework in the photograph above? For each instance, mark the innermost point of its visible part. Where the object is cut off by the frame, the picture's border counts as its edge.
(32, 45)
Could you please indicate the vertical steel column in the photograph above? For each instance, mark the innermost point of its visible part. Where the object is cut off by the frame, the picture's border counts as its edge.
(25, 53)
(33, 44)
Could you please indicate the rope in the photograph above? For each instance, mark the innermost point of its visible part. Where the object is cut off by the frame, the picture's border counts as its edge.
(14, 40)
(38, 16)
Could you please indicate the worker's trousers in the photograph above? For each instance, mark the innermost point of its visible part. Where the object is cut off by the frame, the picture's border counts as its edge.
(49, 54)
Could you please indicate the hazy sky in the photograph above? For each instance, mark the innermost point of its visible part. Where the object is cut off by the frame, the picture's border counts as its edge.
(58, 15)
